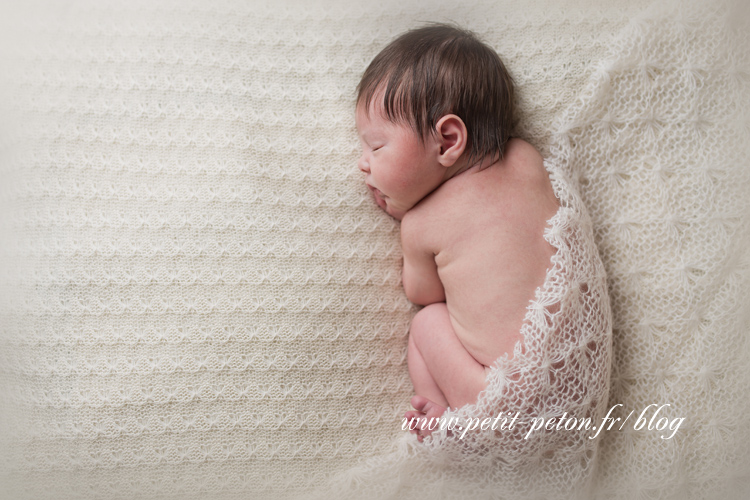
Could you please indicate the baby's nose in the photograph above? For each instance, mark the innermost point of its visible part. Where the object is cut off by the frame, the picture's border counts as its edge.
(363, 165)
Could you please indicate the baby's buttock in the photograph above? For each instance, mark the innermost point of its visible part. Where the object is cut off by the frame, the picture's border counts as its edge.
(489, 340)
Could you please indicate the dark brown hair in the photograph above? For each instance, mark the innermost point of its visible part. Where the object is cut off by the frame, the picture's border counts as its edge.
(429, 72)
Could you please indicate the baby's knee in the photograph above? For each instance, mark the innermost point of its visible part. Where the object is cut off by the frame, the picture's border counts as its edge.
(428, 319)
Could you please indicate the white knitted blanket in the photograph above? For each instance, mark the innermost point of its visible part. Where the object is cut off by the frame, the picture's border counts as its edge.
(200, 300)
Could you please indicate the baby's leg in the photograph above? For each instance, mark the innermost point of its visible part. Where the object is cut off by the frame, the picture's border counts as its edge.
(441, 368)
(421, 378)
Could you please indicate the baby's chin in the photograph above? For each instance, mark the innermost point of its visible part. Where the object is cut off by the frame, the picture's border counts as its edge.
(396, 214)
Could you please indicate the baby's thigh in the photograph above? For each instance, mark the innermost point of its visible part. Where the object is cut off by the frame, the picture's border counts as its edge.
(458, 375)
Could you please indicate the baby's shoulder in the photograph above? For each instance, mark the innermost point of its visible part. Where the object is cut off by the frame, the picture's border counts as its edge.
(524, 159)
(516, 147)
(519, 177)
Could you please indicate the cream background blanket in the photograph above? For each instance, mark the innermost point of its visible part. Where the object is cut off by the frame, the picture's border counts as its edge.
(199, 299)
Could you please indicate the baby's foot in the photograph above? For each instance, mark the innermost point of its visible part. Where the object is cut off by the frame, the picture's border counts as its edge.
(424, 411)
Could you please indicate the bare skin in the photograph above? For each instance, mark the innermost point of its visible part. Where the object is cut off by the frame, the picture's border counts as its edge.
(474, 254)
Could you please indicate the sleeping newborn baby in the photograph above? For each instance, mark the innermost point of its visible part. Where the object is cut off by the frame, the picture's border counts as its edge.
(434, 114)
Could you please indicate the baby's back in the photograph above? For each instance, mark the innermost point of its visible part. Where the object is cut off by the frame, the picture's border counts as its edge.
(486, 229)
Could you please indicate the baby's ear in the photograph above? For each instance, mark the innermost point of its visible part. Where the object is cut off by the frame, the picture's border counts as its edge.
(451, 134)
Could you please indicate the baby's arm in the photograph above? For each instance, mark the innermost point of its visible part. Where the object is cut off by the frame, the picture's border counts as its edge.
(442, 371)
(419, 276)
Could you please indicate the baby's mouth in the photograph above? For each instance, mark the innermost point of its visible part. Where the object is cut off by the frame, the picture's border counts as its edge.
(379, 196)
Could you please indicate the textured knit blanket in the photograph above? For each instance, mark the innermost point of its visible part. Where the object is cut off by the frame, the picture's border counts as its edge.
(200, 300)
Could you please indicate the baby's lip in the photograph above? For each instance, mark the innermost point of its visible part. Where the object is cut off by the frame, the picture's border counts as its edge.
(379, 197)
(376, 191)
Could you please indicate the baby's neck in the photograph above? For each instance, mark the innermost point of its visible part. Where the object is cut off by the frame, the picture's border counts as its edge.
(463, 166)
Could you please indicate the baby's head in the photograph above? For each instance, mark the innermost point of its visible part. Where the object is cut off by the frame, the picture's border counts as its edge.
(437, 92)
